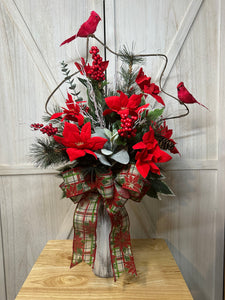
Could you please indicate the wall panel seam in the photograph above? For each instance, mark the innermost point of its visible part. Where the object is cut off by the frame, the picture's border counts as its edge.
(2, 247)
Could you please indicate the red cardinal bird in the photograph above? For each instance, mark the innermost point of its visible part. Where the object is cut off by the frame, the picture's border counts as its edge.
(86, 28)
(184, 96)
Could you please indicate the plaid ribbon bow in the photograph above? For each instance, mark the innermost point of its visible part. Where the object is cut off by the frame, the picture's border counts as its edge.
(114, 193)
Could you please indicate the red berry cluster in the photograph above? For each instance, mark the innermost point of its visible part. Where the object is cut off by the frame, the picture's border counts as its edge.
(36, 126)
(49, 130)
(127, 124)
(96, 71)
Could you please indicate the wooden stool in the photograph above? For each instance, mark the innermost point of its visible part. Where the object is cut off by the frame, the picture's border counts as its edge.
(158, 277)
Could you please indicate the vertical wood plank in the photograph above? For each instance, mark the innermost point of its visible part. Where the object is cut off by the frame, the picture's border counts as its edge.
(32, 210)
(32, 213)
(187, 223)
(220, 208)
(180, 36)
(2, 267)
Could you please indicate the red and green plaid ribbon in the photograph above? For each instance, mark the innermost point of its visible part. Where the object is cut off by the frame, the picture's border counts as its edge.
(114, 192)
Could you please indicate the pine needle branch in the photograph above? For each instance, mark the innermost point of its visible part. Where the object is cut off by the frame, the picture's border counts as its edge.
(46, 152)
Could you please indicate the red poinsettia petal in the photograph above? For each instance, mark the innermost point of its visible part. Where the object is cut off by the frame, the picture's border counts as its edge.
(123, 100)
(154, 168)
(142, 167)
(86, 131)
(79, 67)
(113, 103)
(107, 111)
(134, 102)
(70, 135)
(168, 133)
(56, 115)
(142, 79)
(70, 130)
(104, 65)
(149, 138)
(158, 99)
(80, 119)
(90, 152)
(142, 107)
(96, 143)
(82, 61)
(139, 145)
(155, 88)
(74, 153)
(124, 111)
(87, 69)
(174, 150)
(65, 117)
(161, 156)
(70, 98)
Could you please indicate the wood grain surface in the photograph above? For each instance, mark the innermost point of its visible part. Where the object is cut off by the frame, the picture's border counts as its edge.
(158, 276)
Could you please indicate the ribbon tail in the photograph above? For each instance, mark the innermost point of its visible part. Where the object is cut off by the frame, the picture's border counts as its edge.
(85, 223)
(120, 244)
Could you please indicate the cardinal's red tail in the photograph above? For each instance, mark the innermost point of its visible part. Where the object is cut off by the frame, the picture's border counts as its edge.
(203, 105)
(69, 40)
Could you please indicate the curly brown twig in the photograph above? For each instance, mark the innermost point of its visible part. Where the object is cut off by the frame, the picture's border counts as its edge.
(117, 54)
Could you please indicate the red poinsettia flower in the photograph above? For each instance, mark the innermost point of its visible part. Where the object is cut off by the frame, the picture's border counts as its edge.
(150, 154)
(149, 88)
(77, 143)
(72, 112)
(124, 105)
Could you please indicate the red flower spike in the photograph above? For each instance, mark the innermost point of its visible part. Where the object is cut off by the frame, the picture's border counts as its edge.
(124, 105)
(142, 80)
(150, 154)
(149, 88)
(77, 143)
(72, 112)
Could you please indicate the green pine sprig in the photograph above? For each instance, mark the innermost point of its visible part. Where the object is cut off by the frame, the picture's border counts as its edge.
(128, 71)
(46, 152)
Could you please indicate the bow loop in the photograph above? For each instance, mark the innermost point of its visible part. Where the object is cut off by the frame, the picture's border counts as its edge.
(131, 180)
(74, 184)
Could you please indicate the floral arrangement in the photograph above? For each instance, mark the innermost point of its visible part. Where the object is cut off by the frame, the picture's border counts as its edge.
(108, 146)
(108, 132)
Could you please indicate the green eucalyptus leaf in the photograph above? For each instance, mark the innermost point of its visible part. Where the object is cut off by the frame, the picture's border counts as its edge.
(99, 132)
(121, 156)
(83, 81)
(108, 133)
(102, 159)
(114, 136)
(106, 152)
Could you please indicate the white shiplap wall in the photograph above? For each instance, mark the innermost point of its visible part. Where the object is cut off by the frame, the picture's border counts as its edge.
(32, 211)
(192, 222)
(192, 35)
